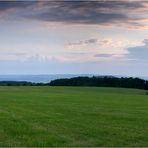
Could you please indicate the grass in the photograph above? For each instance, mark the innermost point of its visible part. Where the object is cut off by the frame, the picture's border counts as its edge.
(73, 116)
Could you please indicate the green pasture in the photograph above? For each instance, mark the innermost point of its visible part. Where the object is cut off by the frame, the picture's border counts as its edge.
(73, 116)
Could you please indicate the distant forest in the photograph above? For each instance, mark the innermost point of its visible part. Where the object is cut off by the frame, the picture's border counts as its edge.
(100, 81)
(105, 81)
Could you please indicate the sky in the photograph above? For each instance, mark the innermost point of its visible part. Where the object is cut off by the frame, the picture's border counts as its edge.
(74, 37)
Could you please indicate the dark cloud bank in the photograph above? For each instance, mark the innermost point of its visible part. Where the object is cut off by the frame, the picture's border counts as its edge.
(79, 12)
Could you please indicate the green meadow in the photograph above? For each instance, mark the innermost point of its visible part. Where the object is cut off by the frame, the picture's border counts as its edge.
(73, 116)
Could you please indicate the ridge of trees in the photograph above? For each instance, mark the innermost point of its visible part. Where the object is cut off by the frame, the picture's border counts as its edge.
(97, 81)
(106, 81)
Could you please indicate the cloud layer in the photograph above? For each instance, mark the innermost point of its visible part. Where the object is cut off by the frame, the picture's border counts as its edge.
(126, 13)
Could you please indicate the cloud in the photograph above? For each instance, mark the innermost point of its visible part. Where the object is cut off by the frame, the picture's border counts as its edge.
(126, 13)
(145, 41)
(92, 18)
(97, 43)
(82, 43)
(99, 49)
(103, 55)
(84, 12)
(109, 49)
(7, 5)
(139, 52)
(91, 49)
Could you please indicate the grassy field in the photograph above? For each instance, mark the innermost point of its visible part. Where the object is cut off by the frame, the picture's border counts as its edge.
(73, 116)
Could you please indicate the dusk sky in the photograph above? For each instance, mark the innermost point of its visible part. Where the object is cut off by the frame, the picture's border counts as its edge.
(72, 37)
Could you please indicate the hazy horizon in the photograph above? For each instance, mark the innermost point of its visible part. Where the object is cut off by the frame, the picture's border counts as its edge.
(74, 37)
(45, 78)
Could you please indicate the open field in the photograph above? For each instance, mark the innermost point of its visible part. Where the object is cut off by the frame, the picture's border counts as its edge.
(73, 116)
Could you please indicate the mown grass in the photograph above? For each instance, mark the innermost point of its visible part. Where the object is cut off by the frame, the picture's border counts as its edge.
(73, 116)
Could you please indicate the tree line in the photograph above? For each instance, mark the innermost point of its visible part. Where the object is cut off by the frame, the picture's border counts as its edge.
(20, 83)
(100, 81)
(105, 81)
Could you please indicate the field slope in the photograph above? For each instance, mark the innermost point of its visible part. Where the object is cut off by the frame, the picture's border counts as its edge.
(73, 116)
